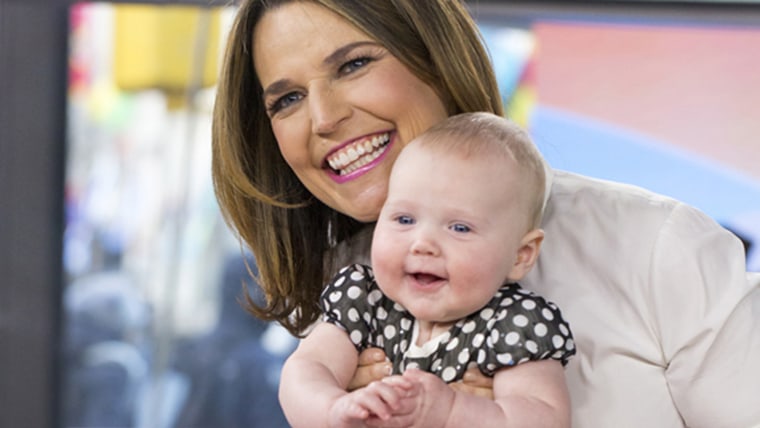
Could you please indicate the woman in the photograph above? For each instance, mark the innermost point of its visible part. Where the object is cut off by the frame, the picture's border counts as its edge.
(315, 101)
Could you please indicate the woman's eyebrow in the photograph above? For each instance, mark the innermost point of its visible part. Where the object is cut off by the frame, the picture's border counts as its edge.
(337, 56)
(334, 59)
(276, 87)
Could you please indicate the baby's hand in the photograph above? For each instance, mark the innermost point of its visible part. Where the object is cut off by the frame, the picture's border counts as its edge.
(381, 403)
(433, 397)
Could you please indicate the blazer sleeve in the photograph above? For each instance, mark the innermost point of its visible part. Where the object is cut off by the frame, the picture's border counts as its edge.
(707, 313)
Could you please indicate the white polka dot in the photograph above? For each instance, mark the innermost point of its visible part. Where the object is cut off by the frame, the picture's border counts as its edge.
(502, 314)
(491, 366)
(336, 313)
(353, 293)
(357, 275)
(563, 329)
(520, 320)
(406, 324)
(558, 341)
(505, 358)
(374, 297)
(494, 336)
(529, 304)
(335, 296)
(478, 340)
(367, 317)
(453, 344)
(380, 341)
(398, 308)
(353, 315)
(412, 365)
(381, 313)
(531, 346)
(512, 338)
(569, 345)
(486, 313)
(339, 282)
(540, 329)
(547, 313)
(390, 332)
(468, 327)
(481, 356)
(507, 301)
(464, 356)
(436, 364)
(356, 337)
(404, 344)
(448, 374)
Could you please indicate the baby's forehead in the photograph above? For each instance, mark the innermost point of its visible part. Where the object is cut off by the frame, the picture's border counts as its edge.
(422, 151)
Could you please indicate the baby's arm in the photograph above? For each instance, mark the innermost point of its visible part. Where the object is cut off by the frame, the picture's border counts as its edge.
(314, 379)
(532, 394)
(314, 376)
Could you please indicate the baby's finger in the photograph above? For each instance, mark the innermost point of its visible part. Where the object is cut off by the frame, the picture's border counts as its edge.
(380, 398)
(399, 382)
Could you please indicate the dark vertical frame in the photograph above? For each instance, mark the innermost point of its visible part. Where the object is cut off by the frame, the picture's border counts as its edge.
(33, 65)
(32, 134)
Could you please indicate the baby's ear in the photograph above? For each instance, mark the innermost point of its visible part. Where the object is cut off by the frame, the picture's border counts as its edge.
(527, 254)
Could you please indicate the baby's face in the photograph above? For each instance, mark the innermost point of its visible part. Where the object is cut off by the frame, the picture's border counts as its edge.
(448, 234)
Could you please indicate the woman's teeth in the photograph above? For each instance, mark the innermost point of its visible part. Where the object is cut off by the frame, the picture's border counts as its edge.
(355, 156)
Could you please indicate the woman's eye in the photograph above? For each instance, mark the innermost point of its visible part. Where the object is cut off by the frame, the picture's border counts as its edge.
(460, 228)
(283, 102)
(353, 65)
(404, 219)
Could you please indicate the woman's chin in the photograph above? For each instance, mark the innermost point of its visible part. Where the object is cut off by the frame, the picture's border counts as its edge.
(365, 207)
(364, 216)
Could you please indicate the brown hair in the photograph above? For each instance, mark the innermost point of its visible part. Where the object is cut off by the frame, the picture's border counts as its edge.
(289, 231)
(479, 135)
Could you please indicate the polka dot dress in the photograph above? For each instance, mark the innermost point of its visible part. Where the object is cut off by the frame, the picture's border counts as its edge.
(514, 327)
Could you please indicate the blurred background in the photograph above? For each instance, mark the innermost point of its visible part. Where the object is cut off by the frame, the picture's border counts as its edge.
(119, 281)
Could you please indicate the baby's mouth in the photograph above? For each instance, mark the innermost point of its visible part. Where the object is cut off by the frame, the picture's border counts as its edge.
(426, 278)
(357, 154)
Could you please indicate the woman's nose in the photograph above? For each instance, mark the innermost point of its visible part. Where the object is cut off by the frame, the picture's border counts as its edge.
(327, 108)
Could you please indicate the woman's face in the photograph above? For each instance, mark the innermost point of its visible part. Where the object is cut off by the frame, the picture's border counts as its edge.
(341, 106)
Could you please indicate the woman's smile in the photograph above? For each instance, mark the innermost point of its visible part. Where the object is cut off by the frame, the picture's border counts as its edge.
(357, 157)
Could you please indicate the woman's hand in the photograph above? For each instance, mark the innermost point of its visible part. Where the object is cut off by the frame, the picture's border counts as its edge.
(373, 365)
(475, 383)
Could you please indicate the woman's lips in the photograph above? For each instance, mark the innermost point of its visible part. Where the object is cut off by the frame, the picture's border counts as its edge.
(355, 158)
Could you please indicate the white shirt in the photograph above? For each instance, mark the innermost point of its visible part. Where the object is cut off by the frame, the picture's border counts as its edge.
(665, 317)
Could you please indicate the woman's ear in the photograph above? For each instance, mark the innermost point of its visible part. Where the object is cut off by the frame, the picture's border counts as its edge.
(527, 254)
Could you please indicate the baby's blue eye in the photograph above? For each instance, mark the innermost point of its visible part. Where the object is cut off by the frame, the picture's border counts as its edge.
(460, 228)
(405, 219)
